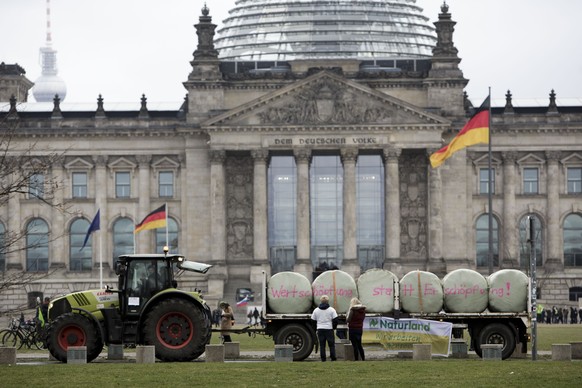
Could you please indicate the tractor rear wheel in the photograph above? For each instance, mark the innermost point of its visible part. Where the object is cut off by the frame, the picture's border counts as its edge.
(73, 330)
(178, 329)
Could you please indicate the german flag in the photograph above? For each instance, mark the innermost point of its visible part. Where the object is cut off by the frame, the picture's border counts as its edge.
(474, 132)
(154, 220)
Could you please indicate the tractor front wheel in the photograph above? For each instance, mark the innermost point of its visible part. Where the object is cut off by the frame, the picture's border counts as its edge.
(178, 330)
(73, 330)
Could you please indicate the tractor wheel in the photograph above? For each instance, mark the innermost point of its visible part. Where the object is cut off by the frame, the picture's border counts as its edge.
(298, 336)
(73, 330)
(178, 329)
(496, 333)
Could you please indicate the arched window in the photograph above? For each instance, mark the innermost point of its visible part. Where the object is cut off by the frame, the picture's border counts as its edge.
(524, 243)
(122, 238)
(573, 240)
(2, 248)
(482, 241)
(172, 237)
(37, 246)
(80, 260)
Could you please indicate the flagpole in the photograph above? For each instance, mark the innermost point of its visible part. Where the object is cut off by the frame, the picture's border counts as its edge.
(167, 210)
(490, 192)
(100, 260)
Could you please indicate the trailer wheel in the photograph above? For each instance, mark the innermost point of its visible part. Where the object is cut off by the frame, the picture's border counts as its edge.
(496, 333)
(177, 329)
(73, 329)
(298, 336)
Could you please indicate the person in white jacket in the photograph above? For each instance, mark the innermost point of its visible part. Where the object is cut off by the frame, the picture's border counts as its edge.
(326, 318)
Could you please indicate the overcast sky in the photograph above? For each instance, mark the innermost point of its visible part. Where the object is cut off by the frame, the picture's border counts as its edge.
(123, 48)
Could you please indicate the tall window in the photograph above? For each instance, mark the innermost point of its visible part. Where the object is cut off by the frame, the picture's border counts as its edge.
(122, 184)
(370, 208)
(574, 180)
(37, 245)
(79, 185)
(172, 237)
(2, 248)
(122, 238)
(282, 214)
(530, 180)
(484, 181)
(36, 186)
(166, 184)
(573, 240)
(326, 196)
(80, 260)
(525, 245)
(482, 241)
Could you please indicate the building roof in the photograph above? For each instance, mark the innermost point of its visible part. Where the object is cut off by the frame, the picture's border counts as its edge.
(284, 30)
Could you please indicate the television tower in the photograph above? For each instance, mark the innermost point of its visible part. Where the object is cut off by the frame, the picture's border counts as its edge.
(49, 83)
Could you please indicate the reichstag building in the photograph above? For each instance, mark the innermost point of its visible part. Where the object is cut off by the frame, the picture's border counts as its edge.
(303, 141)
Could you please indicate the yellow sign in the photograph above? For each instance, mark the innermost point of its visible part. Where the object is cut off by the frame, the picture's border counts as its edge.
(401, 334)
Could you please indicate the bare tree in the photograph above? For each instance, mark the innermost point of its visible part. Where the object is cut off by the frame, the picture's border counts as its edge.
(24, 170)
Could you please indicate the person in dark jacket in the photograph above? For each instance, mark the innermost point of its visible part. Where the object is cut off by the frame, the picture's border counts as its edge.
(355, 319)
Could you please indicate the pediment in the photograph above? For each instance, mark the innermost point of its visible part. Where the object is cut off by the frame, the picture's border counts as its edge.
(78, 163)
(325, 99)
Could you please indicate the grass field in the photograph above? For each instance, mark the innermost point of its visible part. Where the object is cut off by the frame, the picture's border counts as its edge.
(439, 372)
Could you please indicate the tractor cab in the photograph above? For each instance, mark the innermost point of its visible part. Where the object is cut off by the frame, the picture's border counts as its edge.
(143, 276)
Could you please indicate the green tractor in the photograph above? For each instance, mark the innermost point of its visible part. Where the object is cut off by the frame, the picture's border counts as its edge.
(146, 309)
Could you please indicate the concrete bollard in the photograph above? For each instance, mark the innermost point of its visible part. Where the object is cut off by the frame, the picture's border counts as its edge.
(115, 352)
(145, 354)
(561, 352)
(576, 350)
(421, 352)
(517, 353)
(77, 355)
(214, 353)
(344, 350)
(458, 348)
(7, 355)
(491, 352)
(231, 349)
(283, 353)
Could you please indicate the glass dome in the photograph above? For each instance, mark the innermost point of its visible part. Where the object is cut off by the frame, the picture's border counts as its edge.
(284, 30)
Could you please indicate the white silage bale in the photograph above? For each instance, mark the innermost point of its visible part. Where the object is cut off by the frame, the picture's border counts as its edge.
(289, 292)
(508, 289)
(376, 290)
(466, 291)
(421, 291)
(339, 286)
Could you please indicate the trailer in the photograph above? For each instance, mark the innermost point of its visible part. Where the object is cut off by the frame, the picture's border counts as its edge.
(298, 330)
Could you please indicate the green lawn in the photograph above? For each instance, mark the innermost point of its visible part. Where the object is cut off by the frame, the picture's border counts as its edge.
(439, 372)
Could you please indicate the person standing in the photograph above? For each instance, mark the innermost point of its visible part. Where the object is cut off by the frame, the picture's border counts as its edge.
(326, 318)
(355, 319)
(256, 316)
(226, 321)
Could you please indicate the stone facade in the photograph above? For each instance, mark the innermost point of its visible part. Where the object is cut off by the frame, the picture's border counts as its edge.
(218, 144)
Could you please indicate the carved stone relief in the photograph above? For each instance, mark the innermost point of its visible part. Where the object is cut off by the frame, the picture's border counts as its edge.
(325, 101)
(239, 207)
(413, 205)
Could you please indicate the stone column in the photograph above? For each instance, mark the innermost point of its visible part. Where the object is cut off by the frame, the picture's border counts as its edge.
(303, 263)
(392, 207)
(218, 205)
(219, 275)
(59, 234)
(510, 232)
(100, 190)
(260, 222)
(144, 238)
(553, 242)
(17, 256)
(350, 262)
(436, 262)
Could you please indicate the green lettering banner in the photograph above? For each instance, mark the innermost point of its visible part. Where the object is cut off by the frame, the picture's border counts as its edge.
(401, 334)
